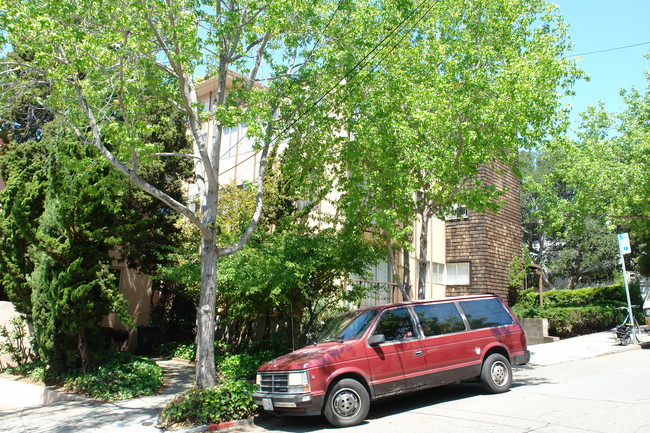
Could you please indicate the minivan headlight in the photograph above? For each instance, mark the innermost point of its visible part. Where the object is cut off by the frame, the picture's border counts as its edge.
(298, 381)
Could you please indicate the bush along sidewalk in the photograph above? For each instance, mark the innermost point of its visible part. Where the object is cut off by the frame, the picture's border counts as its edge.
(231, 399)
(116, 376)
(577, 312)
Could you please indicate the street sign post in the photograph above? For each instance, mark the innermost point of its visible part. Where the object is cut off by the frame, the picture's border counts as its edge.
(624, 243)
(624, 248)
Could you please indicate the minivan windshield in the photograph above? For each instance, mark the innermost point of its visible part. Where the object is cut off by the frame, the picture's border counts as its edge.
(348, 326)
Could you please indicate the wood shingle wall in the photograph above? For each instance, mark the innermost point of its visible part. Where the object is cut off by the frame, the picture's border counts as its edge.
(488, 241)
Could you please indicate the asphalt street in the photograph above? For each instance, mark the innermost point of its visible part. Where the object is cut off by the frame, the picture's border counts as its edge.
(603, 394)
(582, 384)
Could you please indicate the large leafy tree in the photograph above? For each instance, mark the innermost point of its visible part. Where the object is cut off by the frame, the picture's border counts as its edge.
(441, 78)
(72, 288)
(100, 61)
(457, 85)
(578, 191)
(606, 167)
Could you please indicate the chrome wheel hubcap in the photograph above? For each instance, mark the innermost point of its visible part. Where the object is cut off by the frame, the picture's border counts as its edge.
(499, 373)
(346, 402)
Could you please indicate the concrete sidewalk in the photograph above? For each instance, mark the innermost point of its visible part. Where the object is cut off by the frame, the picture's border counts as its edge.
(141, 414)
(135, 415)
(585, 346)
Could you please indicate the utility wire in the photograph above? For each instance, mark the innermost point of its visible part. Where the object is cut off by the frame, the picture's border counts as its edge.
(322, 33)
(355, 69)
(611, 49)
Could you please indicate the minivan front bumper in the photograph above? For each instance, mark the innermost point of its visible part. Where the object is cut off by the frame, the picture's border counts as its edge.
(290, 404)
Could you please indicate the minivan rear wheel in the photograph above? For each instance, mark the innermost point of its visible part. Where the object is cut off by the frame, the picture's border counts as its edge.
(347, 403)
(496, 374)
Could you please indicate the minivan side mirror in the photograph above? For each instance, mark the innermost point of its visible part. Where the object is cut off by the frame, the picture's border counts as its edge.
(376, 340)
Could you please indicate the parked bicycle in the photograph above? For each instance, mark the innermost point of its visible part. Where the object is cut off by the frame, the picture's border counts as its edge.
(627, 330)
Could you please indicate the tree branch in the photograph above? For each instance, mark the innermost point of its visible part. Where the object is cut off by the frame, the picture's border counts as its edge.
(122, 168)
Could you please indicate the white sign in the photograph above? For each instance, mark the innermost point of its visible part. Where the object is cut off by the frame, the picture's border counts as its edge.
(624, 243)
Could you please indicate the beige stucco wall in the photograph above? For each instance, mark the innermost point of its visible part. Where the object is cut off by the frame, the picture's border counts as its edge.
(435, 254)
(136, 288)
(7, 312)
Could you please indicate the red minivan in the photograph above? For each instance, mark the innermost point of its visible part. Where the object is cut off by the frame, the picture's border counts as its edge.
(392, 349)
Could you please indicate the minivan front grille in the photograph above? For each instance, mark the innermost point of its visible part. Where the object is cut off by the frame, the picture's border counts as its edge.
(274, 382)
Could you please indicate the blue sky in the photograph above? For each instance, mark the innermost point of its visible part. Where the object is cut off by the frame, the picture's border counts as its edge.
(597, 25)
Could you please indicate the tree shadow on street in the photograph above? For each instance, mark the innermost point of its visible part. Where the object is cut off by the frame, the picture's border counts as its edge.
(390, 406)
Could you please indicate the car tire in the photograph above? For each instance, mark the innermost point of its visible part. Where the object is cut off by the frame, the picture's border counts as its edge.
(496, 374)
(347, 403)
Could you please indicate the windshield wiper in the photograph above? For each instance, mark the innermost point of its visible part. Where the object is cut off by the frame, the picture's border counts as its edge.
(333, 340)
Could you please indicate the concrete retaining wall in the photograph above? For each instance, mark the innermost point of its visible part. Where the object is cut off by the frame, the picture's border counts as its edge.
(17, 394)
(536, 331)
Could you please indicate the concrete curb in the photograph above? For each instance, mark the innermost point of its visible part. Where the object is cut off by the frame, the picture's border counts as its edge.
(216, 427)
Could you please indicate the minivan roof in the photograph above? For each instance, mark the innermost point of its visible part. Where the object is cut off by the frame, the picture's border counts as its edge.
(427, 301)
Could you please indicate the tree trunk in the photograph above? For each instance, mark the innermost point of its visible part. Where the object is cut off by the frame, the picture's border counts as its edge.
(402, 283)
(406, 265)
(575, 279)
(82, 346)
(546, 280)
(205, 315)
(422, 261)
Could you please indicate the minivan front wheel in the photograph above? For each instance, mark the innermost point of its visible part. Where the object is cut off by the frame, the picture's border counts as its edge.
(347, 403)
(496, 374)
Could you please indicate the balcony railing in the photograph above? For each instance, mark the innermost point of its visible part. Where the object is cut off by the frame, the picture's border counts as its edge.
(379, 293)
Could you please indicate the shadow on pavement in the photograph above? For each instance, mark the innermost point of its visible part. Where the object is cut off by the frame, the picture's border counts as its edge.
(387, 406)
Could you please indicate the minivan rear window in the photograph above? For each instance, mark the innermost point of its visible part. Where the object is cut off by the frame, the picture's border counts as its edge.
(438, 319)
(485, 313)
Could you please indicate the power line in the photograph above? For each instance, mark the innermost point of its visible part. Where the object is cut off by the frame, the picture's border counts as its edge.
(322, 33)
(611, 49)
(355, 69)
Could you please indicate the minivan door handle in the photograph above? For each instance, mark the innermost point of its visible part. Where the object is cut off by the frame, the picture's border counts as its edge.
(418, 353)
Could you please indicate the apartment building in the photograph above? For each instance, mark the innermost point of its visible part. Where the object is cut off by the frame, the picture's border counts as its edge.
(467, 253)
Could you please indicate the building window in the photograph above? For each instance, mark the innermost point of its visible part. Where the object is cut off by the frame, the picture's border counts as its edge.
(438, 273)
(458, 274)
(228, 141)
(459, 213)
(235, 141)
(245, 143)
(380, 286)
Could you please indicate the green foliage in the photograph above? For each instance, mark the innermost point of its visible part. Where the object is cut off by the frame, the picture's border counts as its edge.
(15, 342)
(72, 288)
(61, 215)
(585, 188)
(298, 270)
(579, 311)
(175, 349)
(583, 249)
(239, 366)
(231, 362)
(229, 400)
(116, 376)
(517, 272)
(120, 376)
(35, 371)
(571, 321)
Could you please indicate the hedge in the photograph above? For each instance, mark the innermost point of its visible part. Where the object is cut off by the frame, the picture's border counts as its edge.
(580, 311)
